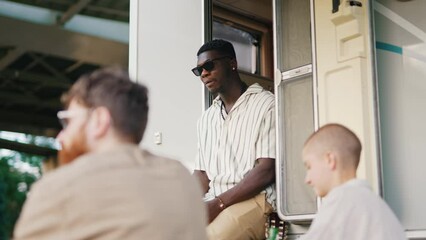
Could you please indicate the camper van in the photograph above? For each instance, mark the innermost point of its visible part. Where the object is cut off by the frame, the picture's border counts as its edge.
(360, 63)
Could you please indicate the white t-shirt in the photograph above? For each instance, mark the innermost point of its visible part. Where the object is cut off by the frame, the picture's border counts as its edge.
(353, 211)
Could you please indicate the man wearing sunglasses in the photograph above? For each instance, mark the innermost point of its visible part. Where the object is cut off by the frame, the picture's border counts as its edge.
(236, 143)
(107, 187)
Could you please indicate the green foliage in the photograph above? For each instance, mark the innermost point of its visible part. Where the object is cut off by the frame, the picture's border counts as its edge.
(18, 171)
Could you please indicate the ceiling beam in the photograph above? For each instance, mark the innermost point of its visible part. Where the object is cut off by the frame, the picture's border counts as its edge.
(93, 26)
(30, 123)
(31, 119)
(72, 11)
(11, 56)
(29, 129)
(74, 66)
(105, 10)
(41, 80)
(49, 68)
(59, 42)
(27, 148)
(28, 100)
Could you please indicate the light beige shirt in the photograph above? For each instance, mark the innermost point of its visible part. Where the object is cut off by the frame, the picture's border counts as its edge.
(125, 193)
(353, 211)
(230, 143)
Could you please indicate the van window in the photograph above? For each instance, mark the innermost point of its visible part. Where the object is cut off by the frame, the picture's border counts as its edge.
(245, 44)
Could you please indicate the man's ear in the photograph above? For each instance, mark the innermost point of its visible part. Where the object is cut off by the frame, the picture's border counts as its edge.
(331, 159)
(234, 64)
(102, 121)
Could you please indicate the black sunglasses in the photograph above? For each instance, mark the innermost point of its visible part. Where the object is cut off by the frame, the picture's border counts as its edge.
(208, 66)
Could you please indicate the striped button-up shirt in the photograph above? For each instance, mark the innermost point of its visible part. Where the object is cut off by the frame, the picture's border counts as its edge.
(230, 143)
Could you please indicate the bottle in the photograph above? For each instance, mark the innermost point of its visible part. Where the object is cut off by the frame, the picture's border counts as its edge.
(273, 233)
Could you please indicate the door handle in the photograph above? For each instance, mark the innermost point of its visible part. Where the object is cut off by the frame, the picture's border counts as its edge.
(335, 4)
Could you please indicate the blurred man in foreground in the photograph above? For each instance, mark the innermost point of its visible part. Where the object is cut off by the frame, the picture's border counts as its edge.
(108, 188)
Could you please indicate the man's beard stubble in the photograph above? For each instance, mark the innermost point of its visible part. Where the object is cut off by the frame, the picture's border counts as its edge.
(76, 148)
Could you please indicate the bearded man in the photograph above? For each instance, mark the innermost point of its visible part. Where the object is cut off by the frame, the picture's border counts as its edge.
(107, 187)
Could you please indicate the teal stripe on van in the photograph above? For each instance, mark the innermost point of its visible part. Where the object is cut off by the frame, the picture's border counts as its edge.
(388, 47)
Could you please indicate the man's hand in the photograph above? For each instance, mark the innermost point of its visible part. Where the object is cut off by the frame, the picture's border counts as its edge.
(261, 176)
(213, 207)
(204, 180)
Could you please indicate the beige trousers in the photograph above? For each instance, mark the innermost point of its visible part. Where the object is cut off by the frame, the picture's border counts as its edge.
(241, 221)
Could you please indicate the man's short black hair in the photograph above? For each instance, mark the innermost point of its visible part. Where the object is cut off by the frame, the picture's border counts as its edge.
(220, 45)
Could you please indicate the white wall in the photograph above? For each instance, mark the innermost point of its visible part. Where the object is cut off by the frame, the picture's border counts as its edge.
(164, 38)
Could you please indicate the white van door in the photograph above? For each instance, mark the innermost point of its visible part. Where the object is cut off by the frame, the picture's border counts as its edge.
(295, 111)
(324, 74)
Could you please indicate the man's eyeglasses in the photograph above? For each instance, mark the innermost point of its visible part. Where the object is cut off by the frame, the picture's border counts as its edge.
(208, 66)
(64, 116)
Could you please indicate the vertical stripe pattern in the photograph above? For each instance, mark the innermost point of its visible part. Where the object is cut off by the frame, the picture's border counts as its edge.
(228, 148)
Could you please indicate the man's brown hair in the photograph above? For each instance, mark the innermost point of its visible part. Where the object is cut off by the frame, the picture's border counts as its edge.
(112, 88)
